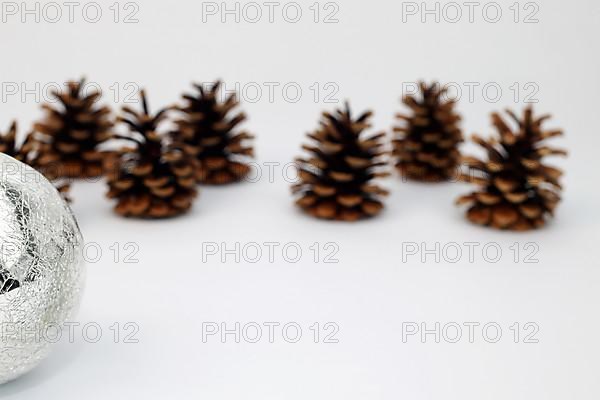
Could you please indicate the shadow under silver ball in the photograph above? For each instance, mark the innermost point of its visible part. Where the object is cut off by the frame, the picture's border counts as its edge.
(41, 267)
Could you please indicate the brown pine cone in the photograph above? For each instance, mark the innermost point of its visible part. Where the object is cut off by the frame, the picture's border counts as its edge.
(70, 135)
(426, 146)
(28, 153)
(518, 192)
(8, 143)
(151, 179)
(208, 134)
(336, 181)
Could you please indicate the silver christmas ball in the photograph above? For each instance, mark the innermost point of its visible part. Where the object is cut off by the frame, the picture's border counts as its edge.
(41, 267)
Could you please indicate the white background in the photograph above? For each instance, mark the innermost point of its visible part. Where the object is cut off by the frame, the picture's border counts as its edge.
(368, 55)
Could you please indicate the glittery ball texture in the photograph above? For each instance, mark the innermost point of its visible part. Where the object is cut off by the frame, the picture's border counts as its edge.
(41, 267)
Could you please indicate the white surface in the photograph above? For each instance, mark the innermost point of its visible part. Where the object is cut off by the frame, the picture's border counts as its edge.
(370, 292)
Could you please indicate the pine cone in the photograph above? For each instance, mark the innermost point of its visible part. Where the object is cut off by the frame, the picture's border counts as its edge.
(8, 143)
(518, 191)
(71, 134)
(151, 180)
(28, 153)
(426, 147)
(335, 183)
(208, 135)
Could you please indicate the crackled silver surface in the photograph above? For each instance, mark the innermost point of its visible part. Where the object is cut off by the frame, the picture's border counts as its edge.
(41, 267)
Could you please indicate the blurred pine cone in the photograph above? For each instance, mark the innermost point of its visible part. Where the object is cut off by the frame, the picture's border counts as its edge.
(28, 153)
(336, 182)
(151, 179)
(70, 135)
(208, 133)
(426, 146)
(518, 191)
